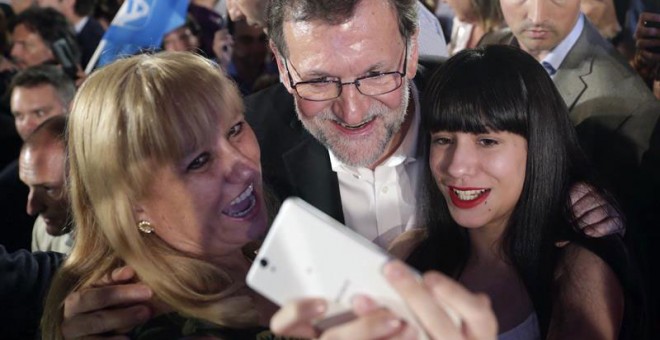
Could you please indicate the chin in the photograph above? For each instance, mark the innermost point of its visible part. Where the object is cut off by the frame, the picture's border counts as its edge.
(54, 231)
(259, 227)
(468, 222)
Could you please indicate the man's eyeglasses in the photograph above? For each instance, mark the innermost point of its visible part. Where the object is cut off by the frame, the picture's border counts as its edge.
(328, 88)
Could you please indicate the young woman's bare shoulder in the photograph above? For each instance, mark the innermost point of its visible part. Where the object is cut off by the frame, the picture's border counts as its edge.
(405, 243)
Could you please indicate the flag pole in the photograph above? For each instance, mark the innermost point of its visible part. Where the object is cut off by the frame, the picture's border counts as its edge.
(95, 57)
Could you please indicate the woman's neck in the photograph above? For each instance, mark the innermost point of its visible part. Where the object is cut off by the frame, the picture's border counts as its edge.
(475, 35)
(488, 270)
(486, 244)
(237, 264)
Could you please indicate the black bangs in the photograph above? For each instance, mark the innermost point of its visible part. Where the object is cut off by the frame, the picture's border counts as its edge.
(464, 96)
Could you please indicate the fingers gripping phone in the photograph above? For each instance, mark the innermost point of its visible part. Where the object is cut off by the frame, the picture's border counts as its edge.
(308, 254)
(652, 24)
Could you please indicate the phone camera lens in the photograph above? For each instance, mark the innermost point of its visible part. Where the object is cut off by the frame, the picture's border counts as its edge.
(264, 262)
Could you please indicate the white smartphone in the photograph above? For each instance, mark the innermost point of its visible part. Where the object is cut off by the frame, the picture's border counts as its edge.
(308, 254)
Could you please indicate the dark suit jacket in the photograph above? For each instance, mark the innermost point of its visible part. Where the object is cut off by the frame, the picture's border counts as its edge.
(10, 141)
(15, 223)
(293, 162)
(24, 281)
(88, 38)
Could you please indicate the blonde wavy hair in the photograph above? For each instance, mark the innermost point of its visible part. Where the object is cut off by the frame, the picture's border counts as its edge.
(137, 113)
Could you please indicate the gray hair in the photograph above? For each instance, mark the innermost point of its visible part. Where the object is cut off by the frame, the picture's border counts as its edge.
(332, 12)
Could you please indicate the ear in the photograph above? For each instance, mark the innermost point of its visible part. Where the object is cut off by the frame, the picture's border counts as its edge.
(284, 77)
(140, 213)
(413, 55)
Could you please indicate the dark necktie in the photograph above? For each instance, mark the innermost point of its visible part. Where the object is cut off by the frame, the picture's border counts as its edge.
(551, 70)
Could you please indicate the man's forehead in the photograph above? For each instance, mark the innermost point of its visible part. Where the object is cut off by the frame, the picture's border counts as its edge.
(47, 152)
(39, 90)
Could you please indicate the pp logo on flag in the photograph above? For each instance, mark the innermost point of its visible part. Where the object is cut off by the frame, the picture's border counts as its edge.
(134, 15)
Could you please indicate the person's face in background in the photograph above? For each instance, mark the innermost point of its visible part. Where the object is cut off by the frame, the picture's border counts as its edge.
(28, 48)
(360, 130)
(54, 4)
(253, 11)
(31, 106)
(19, 6)
(250, 44)
(211, 202)
(463, 10)
(181, 39)
(481, 176)
(540, 25)
(42, 169)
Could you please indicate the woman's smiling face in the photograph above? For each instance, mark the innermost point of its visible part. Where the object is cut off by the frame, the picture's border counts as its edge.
(210, 203)
(481, 176)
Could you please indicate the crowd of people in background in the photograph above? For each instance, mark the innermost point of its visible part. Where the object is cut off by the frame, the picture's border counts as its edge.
(393, 117)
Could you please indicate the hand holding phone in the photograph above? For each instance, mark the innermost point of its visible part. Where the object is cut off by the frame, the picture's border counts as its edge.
(650, 23)
(308, 254)
(647, 34)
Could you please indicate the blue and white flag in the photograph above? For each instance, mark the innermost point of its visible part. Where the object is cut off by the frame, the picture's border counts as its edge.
(139, 25)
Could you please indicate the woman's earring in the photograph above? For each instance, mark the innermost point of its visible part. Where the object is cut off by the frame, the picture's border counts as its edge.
(145, 227)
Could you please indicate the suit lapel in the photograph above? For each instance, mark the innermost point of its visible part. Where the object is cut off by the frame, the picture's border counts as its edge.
(308, 167)
(572, 77)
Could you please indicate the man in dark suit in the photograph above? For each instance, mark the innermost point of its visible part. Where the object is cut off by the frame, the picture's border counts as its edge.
(88, 31)
(350, 147)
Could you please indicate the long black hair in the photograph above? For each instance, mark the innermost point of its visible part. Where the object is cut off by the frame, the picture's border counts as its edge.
(500, 88)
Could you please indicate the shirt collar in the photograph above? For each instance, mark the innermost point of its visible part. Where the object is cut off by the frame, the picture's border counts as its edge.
(80, 24)
(559, 53)
(405, 153)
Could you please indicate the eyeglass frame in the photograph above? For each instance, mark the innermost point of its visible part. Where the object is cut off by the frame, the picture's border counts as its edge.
(340, 84)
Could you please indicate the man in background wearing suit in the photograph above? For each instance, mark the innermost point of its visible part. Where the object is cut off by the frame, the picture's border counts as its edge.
(613, 110)
(78, 13)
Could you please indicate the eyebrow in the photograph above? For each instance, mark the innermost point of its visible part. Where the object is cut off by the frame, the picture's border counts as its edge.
(315, 74)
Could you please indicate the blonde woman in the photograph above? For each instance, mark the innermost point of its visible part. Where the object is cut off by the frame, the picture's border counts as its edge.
(165, 178)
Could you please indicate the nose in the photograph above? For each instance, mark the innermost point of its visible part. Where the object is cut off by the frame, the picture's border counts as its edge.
(460, 160)
(352, 106)
(537, 11)
(27, 125)
(16, 51)
(237, 166)
(34, 204)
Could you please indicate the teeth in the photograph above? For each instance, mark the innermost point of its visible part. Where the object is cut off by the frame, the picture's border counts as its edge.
(355, 127)
(243, 195)
(246, 211)
(242, 205)
(468, 195)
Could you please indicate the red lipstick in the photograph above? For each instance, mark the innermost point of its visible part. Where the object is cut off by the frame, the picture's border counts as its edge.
(467, 204)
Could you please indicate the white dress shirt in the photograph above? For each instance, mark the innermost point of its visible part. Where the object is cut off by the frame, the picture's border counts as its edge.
(380, 204)
(42, 241)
